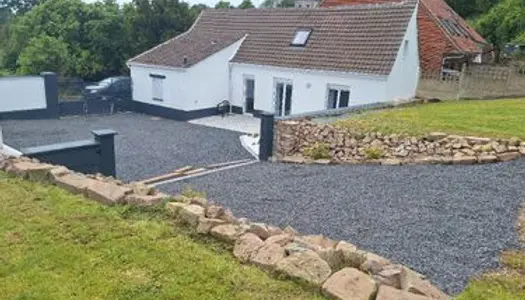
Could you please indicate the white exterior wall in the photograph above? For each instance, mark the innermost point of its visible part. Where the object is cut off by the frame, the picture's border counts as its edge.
(310, 88)
(200, 86)
(22, 93)
(404, 77)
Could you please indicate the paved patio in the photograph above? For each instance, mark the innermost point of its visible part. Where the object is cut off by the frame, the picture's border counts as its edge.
(234, 122)
(145, 146)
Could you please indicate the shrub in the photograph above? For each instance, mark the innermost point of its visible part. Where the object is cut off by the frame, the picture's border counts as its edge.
(318, 151)
(188, 191)
(374, 153)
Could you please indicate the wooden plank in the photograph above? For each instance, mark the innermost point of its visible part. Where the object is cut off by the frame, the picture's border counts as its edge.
(166, 176)
(194, 171)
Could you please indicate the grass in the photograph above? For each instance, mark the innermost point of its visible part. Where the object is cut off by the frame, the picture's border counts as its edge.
(505, 284)
(54, 245)
(496, 119)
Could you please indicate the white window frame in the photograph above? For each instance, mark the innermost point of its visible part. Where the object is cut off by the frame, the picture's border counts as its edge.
(284, 81)
(157, 88)
(301, 33)
(339, 88)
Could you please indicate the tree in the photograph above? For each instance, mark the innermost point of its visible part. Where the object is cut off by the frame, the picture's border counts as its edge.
(44, 53)
(471, 8)
(223, 4)
(149, 23)
(286, 3)
(267, 4)
(19, 6)
(246, 4)
(504, 23)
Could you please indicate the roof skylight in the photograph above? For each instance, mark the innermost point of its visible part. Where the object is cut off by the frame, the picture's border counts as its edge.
(301, 37)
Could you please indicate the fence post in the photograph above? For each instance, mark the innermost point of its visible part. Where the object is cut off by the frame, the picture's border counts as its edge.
(266, 136)
(461, 81)
(106, 139)
(51, 90)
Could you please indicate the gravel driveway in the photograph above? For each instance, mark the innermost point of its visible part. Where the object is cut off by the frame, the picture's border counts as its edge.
(145, 146)
(449, 222)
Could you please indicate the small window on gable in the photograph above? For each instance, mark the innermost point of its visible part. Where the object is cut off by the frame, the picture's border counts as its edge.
(301, 37)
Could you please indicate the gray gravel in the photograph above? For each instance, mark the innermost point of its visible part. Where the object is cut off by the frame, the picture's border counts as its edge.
(145, 146)
(449, 222)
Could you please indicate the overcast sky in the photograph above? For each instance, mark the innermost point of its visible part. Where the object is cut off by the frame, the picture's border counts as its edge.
(210, 3)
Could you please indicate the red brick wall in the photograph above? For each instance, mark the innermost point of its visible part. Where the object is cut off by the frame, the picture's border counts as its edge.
(433, 43)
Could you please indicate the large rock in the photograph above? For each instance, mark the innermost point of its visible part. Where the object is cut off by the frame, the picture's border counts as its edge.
(246, 245)
(389, 293)
(145, 200)
(374, 263)
(30, 170)
(464, 160)
(58, 171)
(281, 239)
(107, 193)
(175, 207)
(259, 229)
(214, 211)
(508, 156)
(228, 232)
(73, 183)
(349, 284)
(435, 136)
(392, 275)
(306, 265)
(190, 214)
(416, 285)
(333, 257)
(199, 201)
(268, 256)
(352, 257)
(485, 159)
(315, 241)
(290, 230)
(207, 224)
(142, 189)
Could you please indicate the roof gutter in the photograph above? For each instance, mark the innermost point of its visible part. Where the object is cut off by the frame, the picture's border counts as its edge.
(177, 69)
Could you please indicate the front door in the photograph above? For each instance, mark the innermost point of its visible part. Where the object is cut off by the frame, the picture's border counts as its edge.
(283, 98)
(249, 95)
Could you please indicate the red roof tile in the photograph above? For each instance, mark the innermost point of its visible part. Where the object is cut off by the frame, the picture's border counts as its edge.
(464, 39)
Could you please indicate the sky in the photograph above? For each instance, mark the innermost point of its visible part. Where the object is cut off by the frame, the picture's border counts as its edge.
(210, 3)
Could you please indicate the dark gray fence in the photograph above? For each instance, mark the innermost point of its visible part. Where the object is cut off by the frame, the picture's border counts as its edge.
(89, 156)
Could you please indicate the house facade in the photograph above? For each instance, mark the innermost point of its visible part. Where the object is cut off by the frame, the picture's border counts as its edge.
(286, 61)
(446, 41)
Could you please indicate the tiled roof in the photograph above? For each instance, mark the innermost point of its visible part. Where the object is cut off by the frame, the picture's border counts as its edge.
(362, 38)
(464, 38)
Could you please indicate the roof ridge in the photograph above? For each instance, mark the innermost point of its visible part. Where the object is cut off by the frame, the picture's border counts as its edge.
(389, 4)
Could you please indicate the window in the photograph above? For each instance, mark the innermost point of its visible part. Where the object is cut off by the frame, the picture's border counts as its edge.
(338, 97)
(157, 88)
(301, 37)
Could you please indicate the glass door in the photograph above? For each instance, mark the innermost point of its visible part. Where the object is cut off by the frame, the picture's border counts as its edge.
(249, 95)
(283, 98)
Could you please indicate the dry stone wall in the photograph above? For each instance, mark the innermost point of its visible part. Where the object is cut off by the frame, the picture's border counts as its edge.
(339, 269)
(296, 140)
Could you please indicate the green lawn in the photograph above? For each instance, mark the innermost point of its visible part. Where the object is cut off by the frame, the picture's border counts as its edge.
(54, 245)
(505, 284)
(498, 118)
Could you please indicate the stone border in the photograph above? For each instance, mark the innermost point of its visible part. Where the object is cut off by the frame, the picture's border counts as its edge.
(338, 268)
(294, 140)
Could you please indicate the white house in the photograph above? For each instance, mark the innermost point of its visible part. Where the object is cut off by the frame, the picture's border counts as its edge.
(286, 61)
